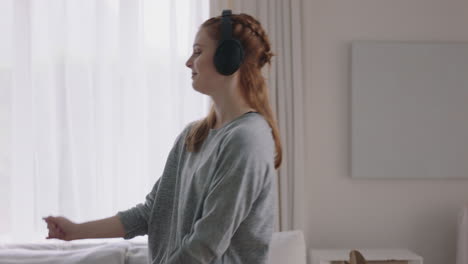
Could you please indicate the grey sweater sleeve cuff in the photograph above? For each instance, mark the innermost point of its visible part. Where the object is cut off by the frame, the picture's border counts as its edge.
(134, 224)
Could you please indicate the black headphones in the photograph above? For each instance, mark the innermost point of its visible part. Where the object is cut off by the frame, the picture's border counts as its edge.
(229, 53)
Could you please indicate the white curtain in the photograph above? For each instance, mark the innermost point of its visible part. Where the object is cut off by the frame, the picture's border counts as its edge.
(92, 97)
(282, 21)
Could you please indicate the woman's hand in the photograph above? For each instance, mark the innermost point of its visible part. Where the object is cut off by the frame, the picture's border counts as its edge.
(61, 228)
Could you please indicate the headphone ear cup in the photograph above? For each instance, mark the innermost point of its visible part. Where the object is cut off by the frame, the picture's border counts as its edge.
(229, 56)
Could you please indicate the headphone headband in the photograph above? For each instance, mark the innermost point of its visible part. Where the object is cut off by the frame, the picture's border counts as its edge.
(226, 25)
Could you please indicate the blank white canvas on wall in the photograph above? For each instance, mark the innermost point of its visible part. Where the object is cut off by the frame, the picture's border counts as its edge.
(409, 110)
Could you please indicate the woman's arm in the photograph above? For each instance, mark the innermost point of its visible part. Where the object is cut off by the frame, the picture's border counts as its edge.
(104, 228)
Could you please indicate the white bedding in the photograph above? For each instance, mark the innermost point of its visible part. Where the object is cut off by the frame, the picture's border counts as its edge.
(286, 247)
(58, 253)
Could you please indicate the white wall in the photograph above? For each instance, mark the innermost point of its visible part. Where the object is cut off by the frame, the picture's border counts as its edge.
(419, 215)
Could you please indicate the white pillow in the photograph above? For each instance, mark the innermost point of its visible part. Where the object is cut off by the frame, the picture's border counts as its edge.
(287, 247)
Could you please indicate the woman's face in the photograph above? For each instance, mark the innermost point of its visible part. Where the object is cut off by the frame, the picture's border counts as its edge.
(205, 78)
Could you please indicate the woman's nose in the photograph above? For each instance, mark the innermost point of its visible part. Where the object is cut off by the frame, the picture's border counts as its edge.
(189, 63)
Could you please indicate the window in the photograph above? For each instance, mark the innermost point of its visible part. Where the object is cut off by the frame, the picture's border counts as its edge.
(92, 97)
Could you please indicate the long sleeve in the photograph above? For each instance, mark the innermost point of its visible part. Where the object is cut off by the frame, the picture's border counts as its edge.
(243, 164)
(135, 220)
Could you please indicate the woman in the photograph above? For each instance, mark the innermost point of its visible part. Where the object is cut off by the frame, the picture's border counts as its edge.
(215, 202)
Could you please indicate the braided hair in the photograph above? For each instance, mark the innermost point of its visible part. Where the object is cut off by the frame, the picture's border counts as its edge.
(247, 27)
(253, 88)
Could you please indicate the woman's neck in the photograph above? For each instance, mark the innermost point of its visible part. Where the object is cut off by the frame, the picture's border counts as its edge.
(223, 118)
(229, 104)
(228, 110)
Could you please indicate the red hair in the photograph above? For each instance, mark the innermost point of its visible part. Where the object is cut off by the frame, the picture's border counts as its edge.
(253, 87)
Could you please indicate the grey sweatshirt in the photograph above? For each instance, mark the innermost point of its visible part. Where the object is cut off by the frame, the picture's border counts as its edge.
(213, 206)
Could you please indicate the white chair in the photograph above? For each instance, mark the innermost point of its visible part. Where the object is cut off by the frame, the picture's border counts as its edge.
(288, 247)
